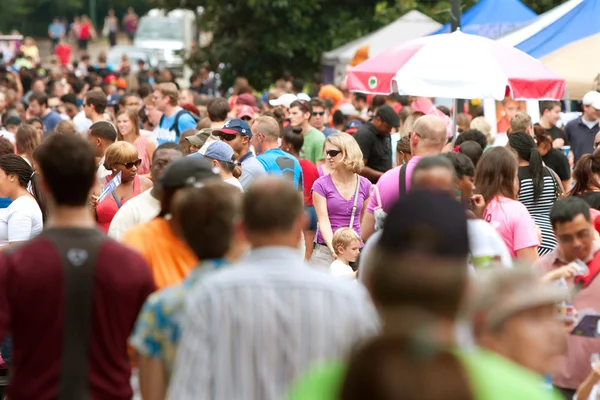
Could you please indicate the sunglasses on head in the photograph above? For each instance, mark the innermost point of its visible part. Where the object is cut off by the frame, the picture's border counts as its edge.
(228, 137)
(315, 113)
(131, 164)
(333, 153)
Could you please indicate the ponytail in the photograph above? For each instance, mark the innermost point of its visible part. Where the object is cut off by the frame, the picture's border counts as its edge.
(525, 147)
(34, 189)
(585, 173)
(28, 179)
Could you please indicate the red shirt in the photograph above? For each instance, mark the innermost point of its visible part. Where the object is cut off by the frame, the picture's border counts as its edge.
(63, 51)
(32, 311)
(310, 174)
(84, 31)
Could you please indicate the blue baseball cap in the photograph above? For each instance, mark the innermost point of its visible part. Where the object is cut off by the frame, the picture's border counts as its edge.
(220, 151)
(234, 126)
(352, 126)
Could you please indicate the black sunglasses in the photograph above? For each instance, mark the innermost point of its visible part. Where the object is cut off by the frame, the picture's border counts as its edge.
(130, 165)
(315, 113)
(228, 137)
(333, 153)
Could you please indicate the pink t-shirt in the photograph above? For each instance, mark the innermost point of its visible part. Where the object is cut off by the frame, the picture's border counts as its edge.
(389, 186)
(513, 222)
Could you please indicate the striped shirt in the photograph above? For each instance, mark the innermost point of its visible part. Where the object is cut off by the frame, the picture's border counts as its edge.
(540, 210)
(251, 330)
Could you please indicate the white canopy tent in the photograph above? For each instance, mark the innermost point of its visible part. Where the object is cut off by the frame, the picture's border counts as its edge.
(411, 25)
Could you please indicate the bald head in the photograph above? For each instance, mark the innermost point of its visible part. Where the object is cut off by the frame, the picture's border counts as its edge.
(272, 205)
(430, 136)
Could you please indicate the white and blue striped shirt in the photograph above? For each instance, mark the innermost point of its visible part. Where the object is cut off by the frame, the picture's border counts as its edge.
(251, 330)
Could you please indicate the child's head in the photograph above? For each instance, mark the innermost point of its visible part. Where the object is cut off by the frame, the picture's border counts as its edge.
(346, 244)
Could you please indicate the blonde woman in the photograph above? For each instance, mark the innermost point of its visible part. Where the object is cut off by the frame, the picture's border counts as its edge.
(121, 157)
(128, 130)
(340, 197)
(481, 124)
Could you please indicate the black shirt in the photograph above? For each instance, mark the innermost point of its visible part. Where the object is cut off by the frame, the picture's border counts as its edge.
(376, 148)
(556, 133)
(581, 137)
(592, 198)
(559, 163)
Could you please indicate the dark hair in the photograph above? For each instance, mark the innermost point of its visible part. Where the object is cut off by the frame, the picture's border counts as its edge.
(472, 150)
(474, 135)
(585, 173)
(376, 102)
(404, 367)
(40, 97)
(495, 174)
(427, 163)
(103, 130)
(69, 98)
(32, 120)
(272, 205)
(26, 141)
(463, 166)
(541, 136)
(567, 209)
(403, 145)
(338, 117)
(98, 100)
(200, 212)
(317, 102)
(6, 147)
(445, 110)
(526, 149)
(298, 85)
(360, 96)
(548, 105)
(218, 109)
(14, 164)
(293, 137)
(68, 164)
(304, 106)
(167, 146)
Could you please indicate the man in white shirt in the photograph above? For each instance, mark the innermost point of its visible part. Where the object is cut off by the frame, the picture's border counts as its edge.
(249, 331)
(144, 207)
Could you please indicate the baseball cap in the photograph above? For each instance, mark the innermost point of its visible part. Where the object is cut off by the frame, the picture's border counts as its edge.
(234, 126)
(352, 126)
(12, 121)
(388, 115)
(246, 99)
(427, 223)
(592, 99)
(199, 138)
(303, 97)
(499, 293)
(220, 151)
(244, 111)
(347, 109)
(285, 100)
(113, 99)
(186, 171)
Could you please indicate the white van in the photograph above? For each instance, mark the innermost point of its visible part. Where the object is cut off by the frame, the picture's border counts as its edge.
(170, 34)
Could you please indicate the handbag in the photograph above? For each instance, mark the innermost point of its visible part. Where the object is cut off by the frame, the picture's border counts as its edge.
(378, 212)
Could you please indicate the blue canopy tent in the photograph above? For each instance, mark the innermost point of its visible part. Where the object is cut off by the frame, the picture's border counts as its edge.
(492, 18)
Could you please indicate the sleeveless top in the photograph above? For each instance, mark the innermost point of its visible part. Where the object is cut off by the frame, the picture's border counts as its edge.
(141, 145)
(106, 210)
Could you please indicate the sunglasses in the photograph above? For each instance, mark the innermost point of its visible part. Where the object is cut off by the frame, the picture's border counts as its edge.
(320, 113)
(246, 119)
(228, 137)
(132, 164)
(333, 153)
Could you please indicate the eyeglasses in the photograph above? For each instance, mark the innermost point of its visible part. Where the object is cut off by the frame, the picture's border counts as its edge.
(332, 153)
(131, 164)
(228, 137)
(319, 113)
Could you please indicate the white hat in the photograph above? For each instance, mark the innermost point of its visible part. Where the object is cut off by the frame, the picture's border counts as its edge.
(303, 96)
(348, 109)
(285, 100)
(592, 99)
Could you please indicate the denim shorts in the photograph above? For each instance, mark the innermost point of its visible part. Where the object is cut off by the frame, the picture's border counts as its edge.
(312, 218)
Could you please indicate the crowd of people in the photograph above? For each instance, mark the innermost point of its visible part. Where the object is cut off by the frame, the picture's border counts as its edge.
(303, 243)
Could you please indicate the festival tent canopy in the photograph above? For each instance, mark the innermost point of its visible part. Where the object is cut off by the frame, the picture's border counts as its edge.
(410, 26)
(564, 40)
(492, 18)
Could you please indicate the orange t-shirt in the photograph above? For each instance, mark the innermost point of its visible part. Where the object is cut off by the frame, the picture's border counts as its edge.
(169, 258)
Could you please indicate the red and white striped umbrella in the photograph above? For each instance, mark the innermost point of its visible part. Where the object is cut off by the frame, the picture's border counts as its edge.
(456, 65)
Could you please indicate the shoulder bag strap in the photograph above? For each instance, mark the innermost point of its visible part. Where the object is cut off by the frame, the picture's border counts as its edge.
(355, 201)
(403, 169)
(78, 258)
(558, 187)
(375, 191)
(175, 126)
(114, 196)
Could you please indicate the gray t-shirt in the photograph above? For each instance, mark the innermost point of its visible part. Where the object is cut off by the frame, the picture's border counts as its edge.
(251, 169)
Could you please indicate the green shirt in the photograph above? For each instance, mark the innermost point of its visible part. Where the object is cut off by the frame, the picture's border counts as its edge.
(492, 378)
(312, 149)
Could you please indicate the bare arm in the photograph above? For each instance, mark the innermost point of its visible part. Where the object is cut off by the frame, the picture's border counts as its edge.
(153, 378)
(320, 204)
(527, 254)
(367, 225)
(363, 212)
